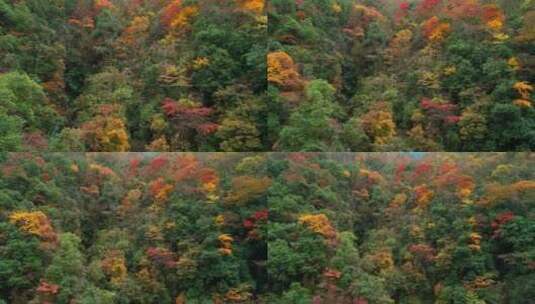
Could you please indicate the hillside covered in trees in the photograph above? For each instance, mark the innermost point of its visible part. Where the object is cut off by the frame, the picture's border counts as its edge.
(132, 228)
(394, 228)
(132, 75)
(285, 228)
(396, 75)
(283, 75)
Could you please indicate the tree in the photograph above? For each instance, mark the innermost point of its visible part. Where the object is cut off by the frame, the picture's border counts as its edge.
(176, 15)
(255, 6)
(67, 268)
(527, 33)
(355, 137)
(288, 261)
(312, 127)
(113, 265)
(21, 262)
(24, 98)
(10, 132)
(434, 30)
(36, 223)
(282, 71)
(509, 128)
(238, 134)
(379, 124)
(246, 189)
(296, 294)
(318, 223)
(107, 131)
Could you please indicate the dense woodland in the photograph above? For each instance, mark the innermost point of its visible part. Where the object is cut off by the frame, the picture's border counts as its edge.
(286, 228)
(253, 75)
(132, 75)
(132, 228)
(397, 228)
(283, 75)
(393, 75)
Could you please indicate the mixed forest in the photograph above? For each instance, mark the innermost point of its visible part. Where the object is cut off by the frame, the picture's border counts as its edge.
(132, 228)
(251, 75)
(132, 75)
(302, 78)
(395, 75)
(374, 228)
(285, 228)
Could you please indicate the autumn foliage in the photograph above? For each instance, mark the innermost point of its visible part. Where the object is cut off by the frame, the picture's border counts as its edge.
(114, 266)
(162, 256)
(419, 212)
(424, 75)
(255, 6)
(282, 71)
(176, 16)
(435, 30)
(107, 131)
(337, 227)
(379, 125)
(225, 244)
(493, 17)
(247, 188)
(498, 193)
(102, 71)
(160, 190)
(318, 223)
(35, 223)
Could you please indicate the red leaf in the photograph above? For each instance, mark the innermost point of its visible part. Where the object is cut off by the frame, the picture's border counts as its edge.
(48, 288)
(404, 5)
(170, 107)
(261, 215)
(248, 224)
(207, 128)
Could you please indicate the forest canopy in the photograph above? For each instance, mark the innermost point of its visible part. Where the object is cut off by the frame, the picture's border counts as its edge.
(281, 228)
(132, 228)
(441, 228)
(132, 75)
(251, 75)
(424, 75)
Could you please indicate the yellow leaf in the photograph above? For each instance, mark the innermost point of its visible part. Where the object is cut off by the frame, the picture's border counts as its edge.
(523, 88)
(513, 63)
(522, 103)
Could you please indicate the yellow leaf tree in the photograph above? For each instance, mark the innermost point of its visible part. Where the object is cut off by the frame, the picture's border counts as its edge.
(282, 71)
(255, 6)
(35, 223)
(318, 223)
